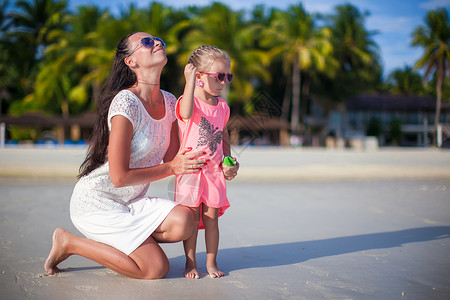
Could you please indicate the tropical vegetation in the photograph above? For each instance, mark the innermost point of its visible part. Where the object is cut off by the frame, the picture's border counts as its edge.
(435, 39)
(55, 61)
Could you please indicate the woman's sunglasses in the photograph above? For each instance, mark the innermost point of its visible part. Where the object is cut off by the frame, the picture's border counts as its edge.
(149, 42)
(220, 76)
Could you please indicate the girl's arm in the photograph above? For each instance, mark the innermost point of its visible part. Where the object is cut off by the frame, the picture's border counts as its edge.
(228, 171)
(226, 142)
(119, 158)
(187, 101)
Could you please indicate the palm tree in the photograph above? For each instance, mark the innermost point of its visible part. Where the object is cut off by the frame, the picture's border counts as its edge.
(355, 51)
(5, 19)
(95, 36)
(435, 39)
(8, 74)
(38, 18)
(170, 25)
(219, 26)
(405, 81)
(99, 50)
(304, 48)
(62, 77)
(80, 61)
(35, 22)
(34, 25)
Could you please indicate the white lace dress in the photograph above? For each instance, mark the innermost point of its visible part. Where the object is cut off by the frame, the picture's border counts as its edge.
(125, 217)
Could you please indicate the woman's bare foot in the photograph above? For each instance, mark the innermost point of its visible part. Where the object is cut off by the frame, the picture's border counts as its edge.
(214, 272)
(191, 272)
(58, 252)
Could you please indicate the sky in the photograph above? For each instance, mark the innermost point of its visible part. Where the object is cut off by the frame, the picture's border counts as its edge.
(394, 20)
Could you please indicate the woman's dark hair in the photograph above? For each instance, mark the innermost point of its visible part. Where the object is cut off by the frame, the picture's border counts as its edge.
(121, 77)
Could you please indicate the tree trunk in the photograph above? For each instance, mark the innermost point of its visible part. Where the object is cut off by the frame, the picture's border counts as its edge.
(286, 99)
(65, 109)
(440, 76)
(295, 96)
(65, 116)
(304, 97)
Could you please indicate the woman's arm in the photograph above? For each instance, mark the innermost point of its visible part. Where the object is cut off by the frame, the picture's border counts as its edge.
(119, 158)
(174, 143)
(187, 101)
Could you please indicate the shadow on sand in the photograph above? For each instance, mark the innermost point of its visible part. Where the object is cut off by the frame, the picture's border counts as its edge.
(263, 256)
(296, 252)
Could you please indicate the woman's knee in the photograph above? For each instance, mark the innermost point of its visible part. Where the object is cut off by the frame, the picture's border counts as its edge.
(151, 260)
(158, 270)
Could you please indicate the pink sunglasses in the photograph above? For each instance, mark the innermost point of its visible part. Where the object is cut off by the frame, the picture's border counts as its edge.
(220, 76)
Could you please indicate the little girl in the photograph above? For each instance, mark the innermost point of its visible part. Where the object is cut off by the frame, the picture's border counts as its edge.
(202, 118)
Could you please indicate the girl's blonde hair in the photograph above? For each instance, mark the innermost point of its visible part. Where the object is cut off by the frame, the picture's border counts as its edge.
(204, 56)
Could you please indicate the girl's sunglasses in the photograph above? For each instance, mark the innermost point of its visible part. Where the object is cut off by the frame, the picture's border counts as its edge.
(149, 42)
(220, 76)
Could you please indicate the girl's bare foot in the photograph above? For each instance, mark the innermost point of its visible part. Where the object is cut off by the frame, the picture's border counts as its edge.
(191, 272)
(58, 252)
(214, 272)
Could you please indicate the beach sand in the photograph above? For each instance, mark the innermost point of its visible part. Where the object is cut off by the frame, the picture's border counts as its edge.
(303, 224)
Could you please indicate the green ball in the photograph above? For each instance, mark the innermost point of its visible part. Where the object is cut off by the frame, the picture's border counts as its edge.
(228, 161)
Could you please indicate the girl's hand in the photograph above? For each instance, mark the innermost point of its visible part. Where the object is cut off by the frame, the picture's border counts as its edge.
(189, 72)
(184, 163)
(187, 101)
(230, 171)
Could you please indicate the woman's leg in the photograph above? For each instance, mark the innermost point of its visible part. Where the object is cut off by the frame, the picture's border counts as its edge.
(148, 261)
(176, 227)
(190, 247)
(210, 217)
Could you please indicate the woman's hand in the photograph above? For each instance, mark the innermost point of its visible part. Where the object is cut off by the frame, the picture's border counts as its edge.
(185, 163)
(230, 171)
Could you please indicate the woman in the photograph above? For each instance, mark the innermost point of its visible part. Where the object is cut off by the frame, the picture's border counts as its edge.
(135, 130)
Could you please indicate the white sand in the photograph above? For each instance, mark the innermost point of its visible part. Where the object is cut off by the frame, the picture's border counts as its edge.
(317, 236)
(260, 164)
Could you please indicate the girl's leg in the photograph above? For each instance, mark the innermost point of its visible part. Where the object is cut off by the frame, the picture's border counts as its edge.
(148, 261)
(177, 226)
(210, 217)
(190, 246)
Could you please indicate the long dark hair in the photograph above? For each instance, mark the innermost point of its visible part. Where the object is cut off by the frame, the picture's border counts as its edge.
(121, 77)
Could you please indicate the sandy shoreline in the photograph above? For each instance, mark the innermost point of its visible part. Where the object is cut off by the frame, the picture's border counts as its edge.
(303, 224)
(260, 164)
(338, 240)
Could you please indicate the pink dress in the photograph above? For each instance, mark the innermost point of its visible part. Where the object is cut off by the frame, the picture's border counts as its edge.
(203, 132)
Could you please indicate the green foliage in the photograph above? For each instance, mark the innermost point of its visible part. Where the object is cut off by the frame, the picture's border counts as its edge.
(395, 131)
(434, 39)
(21, 133)
(374, 127)
(356, 52)
(306, 50)
(55, 61)
(405, 81)
(236, 36)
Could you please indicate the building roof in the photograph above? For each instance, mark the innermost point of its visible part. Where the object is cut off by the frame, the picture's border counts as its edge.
(394, 102)
(38, 119)
(257, 122)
